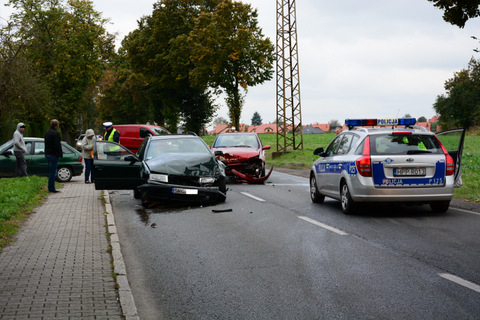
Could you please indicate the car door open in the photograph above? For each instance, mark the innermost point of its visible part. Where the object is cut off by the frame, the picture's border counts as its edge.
(453, 141)
(116, 168)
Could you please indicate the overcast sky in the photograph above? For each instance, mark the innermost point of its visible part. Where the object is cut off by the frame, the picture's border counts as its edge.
(369, 58)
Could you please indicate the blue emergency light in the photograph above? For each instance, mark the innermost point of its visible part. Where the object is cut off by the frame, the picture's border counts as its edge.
(380, 122)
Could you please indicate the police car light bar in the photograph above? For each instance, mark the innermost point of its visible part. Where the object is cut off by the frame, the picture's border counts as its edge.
(380, 122)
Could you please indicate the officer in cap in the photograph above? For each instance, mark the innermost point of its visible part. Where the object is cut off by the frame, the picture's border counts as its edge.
(110, 133)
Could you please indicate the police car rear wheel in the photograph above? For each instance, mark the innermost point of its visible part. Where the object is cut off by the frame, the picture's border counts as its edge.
(314, 194)
(348, 205)
(440, 206)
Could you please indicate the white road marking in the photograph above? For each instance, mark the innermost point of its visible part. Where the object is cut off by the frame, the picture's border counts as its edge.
(252, 196)
(466, 211)
(287, 184)
(460, 281)
(315, 222)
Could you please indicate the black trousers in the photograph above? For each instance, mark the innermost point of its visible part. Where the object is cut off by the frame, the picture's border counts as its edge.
(21, 168)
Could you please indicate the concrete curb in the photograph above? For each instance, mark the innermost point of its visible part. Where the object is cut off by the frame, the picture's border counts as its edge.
(126, 298)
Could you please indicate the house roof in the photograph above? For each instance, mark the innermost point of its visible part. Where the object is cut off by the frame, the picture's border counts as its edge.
(264, 128)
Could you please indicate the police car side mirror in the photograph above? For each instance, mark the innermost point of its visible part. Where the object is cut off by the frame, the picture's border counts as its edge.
(318, 152)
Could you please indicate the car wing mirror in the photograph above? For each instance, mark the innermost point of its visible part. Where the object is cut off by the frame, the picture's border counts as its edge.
(267, 147)
(318, 152)
(218, 153)
(7, 153)
(131, 158)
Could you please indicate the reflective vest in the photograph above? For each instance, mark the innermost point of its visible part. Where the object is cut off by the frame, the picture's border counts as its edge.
(110, 138)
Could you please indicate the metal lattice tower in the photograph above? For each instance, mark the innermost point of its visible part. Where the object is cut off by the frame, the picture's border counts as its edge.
(288, 79)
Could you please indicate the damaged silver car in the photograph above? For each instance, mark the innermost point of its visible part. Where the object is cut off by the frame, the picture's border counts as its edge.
(166, 168)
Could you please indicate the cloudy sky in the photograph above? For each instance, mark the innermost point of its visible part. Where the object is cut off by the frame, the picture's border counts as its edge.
(369, 58)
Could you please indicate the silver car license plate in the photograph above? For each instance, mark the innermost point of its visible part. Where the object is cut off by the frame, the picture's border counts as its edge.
(184, 191)
(409, 172)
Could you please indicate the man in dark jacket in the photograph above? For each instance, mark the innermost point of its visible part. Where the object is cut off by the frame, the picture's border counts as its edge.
(53, 151)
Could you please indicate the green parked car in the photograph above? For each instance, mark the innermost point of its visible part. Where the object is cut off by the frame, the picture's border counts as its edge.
(69, 166)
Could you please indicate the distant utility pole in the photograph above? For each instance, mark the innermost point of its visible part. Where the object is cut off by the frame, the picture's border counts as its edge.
(289, 114)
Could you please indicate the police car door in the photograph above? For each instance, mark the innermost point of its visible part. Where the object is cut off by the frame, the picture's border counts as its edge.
(453, 141)
(331, 168)
(343, 162)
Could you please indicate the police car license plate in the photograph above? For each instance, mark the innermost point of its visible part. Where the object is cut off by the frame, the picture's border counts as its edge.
(406, 172)
(184, 191)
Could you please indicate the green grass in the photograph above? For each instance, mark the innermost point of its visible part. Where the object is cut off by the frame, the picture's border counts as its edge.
(470, 170)
(18, 198)
(302, 159)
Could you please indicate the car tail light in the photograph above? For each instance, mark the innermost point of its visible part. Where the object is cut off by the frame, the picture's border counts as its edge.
(80, 159)
(450, 163)
(364, 163)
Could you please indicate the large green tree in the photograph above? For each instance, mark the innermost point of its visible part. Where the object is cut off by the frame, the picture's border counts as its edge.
(157, 53)
(23, 96)
(461, 104)
(67, 42)
(230, 53)
(457, 12)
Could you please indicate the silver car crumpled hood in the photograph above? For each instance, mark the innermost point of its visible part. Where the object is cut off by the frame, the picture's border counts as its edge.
(191, 164)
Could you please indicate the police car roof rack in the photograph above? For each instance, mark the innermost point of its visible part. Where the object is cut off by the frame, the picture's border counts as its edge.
(358, 128)
(420, 128)
(407, 122)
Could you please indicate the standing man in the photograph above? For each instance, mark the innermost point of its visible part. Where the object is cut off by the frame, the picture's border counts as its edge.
(53, 151)
(110, 133)
(19, 151)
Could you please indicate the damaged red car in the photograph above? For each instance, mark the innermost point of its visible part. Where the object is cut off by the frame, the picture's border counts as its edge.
(243, 154)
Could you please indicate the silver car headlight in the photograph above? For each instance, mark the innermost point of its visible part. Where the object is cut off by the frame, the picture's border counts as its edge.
(206, 180)
(159, 177)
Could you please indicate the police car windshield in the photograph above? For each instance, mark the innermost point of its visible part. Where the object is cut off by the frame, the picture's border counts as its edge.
(403, 144)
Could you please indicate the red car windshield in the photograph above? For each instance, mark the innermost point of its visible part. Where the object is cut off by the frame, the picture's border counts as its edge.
(236, 140)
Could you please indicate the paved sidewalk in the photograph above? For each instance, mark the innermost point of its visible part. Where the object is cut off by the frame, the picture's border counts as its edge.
(59, 266)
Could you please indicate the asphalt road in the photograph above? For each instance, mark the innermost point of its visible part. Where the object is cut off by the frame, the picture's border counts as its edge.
(276, 255)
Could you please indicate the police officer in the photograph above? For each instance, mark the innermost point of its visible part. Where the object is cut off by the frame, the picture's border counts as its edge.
(110, 133)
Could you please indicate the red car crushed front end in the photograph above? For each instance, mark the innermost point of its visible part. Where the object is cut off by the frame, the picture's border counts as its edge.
(244, 156)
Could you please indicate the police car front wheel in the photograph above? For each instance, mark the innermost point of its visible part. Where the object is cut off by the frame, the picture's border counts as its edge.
(348, 205)
(314, 194)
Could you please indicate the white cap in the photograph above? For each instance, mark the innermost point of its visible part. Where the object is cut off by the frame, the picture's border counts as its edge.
(107, 124)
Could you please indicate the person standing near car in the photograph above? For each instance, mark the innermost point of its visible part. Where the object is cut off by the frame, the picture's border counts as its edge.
(53, 151)
(87, 154)
(110, 133)
(19, 151)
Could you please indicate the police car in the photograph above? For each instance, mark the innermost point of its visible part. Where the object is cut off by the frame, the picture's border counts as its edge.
(388, 160)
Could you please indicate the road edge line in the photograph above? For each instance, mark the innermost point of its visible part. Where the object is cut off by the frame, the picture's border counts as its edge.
(127, 302)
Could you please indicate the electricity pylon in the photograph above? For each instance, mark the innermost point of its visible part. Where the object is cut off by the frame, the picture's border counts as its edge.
(289, 115)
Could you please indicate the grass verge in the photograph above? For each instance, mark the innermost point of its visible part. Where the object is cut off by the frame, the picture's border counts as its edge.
(18, 198)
